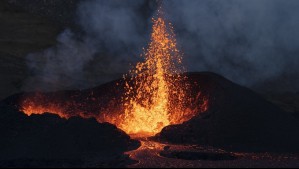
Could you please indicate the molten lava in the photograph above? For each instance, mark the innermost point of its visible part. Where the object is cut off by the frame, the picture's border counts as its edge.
(156, 90)
(155, 93)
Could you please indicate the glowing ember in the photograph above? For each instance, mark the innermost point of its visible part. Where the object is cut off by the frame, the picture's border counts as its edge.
(156, 90)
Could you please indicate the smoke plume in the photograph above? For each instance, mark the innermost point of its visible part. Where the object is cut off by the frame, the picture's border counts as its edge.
(250, 42)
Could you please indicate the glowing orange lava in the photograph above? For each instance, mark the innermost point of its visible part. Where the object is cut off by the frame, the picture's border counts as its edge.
(156, 90)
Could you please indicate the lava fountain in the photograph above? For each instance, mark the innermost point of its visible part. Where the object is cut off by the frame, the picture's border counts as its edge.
(156, 90)
(154, 94)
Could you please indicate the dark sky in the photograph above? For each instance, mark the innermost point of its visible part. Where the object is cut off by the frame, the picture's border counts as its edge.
(254, 43)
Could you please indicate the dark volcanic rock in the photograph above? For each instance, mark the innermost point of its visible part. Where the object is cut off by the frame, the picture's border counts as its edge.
(43, 139)
(237, 119)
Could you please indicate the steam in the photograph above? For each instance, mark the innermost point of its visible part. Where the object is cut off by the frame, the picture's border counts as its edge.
(249, 42)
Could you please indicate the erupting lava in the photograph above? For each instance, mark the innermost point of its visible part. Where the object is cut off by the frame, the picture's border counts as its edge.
(155, 93)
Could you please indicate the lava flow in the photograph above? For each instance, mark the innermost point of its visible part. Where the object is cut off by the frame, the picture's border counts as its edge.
(155, 93)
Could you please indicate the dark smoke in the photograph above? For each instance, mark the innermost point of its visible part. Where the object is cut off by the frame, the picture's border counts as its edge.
(251, 42)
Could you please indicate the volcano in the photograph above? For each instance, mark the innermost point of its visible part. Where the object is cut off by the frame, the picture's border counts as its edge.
(236, 119)
(154, 94)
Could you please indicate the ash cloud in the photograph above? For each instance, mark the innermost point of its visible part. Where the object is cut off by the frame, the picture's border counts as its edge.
(254, 43)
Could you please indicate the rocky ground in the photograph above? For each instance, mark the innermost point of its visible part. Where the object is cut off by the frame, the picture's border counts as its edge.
(50, 141)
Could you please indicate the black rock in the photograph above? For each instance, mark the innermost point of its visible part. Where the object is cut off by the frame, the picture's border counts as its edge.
(26, 140)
